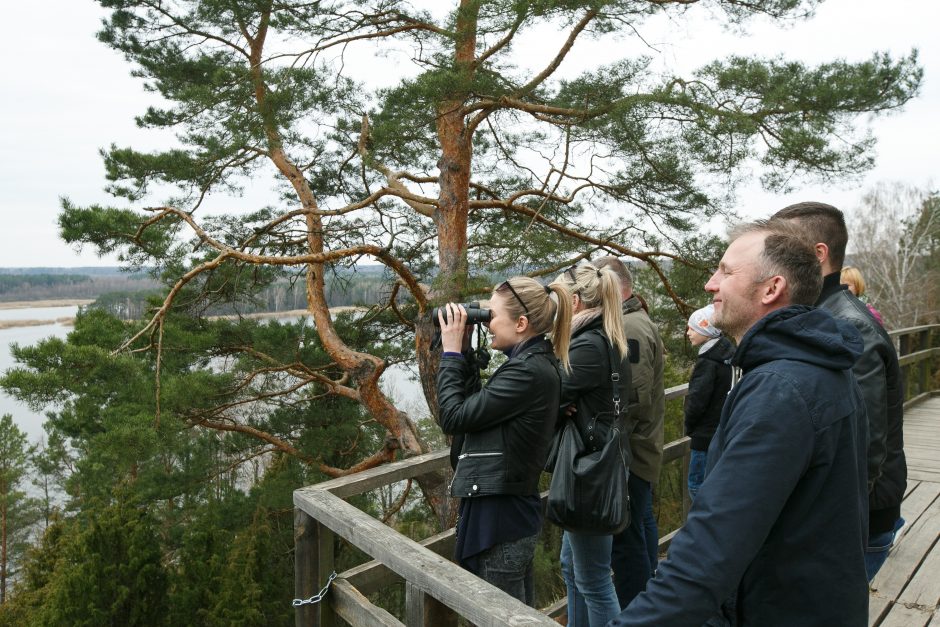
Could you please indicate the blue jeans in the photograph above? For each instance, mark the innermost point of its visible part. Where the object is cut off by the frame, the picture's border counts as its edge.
(585, 567)
(697, 461)
(635, 549)
(878, 547)
(508, 566)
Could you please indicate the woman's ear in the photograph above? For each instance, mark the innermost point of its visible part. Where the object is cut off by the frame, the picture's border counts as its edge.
(522, 323)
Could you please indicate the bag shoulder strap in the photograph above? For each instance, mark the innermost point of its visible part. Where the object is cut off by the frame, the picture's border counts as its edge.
(614, 376)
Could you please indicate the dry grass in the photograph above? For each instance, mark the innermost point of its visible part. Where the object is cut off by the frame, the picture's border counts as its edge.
(64, 302)
(12, 324)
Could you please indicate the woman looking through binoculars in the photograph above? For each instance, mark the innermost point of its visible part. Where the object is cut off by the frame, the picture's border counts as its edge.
(503, 429)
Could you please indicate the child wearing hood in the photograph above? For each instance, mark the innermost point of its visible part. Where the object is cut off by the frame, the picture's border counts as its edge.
(708, 387)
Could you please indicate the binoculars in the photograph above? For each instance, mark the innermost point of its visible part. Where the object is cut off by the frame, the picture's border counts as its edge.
(475, 314)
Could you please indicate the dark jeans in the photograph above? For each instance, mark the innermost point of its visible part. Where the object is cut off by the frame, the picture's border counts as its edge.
(635, 549)
(697, 461)
(878, 546)
(508, 566)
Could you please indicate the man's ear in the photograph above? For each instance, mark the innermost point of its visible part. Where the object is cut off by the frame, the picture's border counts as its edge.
(774, 290)
(822, 252)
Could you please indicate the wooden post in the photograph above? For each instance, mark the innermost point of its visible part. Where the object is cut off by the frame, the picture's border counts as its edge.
(904, 348)
(423, 610)
(924, 363)
(325, 565)
(305, 576)
(313, 565)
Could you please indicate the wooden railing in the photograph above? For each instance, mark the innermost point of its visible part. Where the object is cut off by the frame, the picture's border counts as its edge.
(436, 588)
(918, 349)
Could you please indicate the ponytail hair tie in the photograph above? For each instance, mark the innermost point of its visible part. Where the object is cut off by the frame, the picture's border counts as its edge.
(598, 273)
(548, 290)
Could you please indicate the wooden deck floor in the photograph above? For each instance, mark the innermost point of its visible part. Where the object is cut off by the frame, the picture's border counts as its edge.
(906, 591)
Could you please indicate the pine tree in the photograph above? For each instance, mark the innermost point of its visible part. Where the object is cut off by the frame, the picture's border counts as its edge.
(469, 165)
(18, 512)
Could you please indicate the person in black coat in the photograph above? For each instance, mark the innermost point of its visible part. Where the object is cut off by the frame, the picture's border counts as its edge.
(708, 387)
(598, 345)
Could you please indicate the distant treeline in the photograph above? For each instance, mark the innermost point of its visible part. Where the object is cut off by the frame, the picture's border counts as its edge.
(83, 271)
(26, 286)
(360, 288)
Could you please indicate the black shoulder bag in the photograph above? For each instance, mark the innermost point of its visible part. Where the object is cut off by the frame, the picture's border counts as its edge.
(588, 490)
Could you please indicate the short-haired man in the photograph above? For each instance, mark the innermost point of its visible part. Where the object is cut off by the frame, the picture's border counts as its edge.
(878, 374)
(635, 550)
(779, 523)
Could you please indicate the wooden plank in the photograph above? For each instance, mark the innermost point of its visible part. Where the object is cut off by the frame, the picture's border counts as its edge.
(935, 621)
(666, 540)
(472, 598)
(924, 588)
(354, 608)
(910, 550)
(387, 473)
(912, 358)
(557, 609)
(677, 391)
(901, 616)
(923, 475)
(676, 449)
(373, 576)
(910, 487)
(914, 506)
(877, 609)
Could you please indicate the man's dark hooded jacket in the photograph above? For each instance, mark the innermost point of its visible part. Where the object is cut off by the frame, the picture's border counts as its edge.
(879, 378)
(780, 522)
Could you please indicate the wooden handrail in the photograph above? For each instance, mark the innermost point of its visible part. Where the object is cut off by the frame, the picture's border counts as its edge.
(432, 580)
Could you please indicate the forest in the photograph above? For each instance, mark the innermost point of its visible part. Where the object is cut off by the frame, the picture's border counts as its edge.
(20, 284)
(162, 493)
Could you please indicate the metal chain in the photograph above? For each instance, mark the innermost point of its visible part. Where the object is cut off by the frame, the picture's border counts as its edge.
(318, 596)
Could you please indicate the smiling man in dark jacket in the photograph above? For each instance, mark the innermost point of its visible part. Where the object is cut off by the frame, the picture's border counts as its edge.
(778, 526)
(878, 374)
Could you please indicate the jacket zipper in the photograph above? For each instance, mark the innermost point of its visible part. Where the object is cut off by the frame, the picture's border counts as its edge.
(491, 454)
(462, 456)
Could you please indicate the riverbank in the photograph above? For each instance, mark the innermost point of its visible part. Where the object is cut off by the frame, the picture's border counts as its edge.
(62, 302)
(69, 321)
(13, 324)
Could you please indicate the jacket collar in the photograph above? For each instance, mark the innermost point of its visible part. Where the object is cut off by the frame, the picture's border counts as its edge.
(536, 344)
(831, 285)
(632, 304)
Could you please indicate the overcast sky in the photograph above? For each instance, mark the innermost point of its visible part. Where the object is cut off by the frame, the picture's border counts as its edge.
(65, 96)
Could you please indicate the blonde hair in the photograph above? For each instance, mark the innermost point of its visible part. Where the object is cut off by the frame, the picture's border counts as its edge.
(851, 274)
(598, 288)
(527, 297)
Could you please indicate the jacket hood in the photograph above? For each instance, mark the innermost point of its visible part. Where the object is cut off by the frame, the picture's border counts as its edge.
(721, 351)
(800, 333)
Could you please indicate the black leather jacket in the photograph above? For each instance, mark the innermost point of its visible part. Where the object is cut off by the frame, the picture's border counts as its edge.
(879, 378)
(506, 426)
(588, 384)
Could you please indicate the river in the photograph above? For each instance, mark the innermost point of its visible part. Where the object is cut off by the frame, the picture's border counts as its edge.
(398, 381)
(28, 421)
